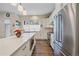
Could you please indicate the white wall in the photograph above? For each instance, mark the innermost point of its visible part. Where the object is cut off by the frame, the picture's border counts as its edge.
(3, 17)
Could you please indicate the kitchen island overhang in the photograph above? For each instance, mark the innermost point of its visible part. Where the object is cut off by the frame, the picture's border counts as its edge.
(10, 45)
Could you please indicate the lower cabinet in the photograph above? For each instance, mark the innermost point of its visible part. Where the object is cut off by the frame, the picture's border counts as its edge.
(24, 50)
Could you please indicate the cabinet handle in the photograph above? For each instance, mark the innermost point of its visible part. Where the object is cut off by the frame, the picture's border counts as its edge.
(24, 48)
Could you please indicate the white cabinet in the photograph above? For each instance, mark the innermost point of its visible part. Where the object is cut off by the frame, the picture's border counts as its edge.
(31, 28)
(7, 27)
(25, 50)
(52, 40)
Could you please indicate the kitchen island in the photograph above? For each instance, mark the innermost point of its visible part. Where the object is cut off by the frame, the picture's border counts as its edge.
(13, 46)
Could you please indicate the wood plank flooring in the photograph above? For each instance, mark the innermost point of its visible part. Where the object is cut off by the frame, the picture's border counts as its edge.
(42, 48)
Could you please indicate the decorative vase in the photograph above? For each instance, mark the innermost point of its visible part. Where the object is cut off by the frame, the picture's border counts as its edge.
(18, 34)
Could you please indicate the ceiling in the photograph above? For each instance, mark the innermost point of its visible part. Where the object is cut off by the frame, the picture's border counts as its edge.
(31, 8)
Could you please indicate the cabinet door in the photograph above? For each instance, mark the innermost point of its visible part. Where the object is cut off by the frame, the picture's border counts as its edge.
(52, 41)
(23, 51)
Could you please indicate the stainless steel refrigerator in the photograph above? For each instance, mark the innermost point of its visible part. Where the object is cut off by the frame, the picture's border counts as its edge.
(66, 31)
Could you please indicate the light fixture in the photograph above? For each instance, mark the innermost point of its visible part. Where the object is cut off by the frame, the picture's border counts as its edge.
(20, 8)
(24, 12)
(34, 17)
(14, 4)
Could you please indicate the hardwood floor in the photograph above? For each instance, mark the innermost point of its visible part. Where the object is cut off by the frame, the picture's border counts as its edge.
(42, 48)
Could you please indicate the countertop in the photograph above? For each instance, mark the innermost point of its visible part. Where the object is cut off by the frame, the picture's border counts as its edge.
(10, 44)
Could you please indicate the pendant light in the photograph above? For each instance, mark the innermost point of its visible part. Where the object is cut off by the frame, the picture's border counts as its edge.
(20, 8)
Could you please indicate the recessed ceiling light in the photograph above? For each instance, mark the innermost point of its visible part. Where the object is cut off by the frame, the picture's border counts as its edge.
(34, 17)
(24, 12)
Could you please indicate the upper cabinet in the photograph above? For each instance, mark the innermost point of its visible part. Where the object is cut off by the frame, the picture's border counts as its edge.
(58, 7)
